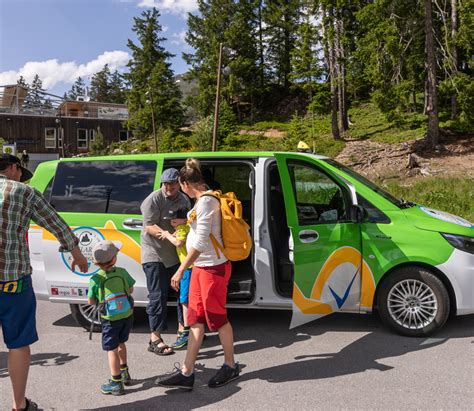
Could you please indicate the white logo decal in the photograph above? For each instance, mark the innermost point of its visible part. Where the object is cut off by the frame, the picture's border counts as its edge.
(88, 238)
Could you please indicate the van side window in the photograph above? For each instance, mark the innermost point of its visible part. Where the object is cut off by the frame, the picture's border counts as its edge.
(374, 215)
(319, 199)
(47, 190)
(111, 187)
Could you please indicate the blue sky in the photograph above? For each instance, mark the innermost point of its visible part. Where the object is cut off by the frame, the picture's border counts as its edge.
(61, 39)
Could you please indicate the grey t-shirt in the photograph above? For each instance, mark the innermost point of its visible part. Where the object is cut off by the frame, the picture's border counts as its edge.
(153, 209)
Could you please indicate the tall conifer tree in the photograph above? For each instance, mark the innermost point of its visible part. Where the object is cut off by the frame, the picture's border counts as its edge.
(153, 91)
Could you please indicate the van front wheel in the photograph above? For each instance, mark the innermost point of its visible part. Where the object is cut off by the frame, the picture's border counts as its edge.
(413, 302)
(84, 315)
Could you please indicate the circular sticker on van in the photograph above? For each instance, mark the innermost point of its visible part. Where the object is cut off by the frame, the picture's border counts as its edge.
(449, 218)
(88, 238)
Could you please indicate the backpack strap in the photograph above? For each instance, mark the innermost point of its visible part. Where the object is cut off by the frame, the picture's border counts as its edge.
(217, 246)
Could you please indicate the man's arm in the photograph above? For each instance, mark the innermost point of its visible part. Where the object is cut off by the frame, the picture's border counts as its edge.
(46, 216)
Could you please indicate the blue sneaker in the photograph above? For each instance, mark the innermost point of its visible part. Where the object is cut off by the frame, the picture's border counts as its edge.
(127, 380)
(113, 387)
(181, 341)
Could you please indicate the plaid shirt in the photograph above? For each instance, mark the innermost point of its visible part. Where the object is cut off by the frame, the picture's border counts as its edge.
(19, 204)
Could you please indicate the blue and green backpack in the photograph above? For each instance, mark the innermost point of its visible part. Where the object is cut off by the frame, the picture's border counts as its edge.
(114, 297)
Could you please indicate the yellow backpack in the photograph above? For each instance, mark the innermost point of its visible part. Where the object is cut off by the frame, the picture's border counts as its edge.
(235, 231)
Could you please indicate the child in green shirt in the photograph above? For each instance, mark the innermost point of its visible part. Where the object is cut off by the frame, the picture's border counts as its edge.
(111, 287)
(178, 238)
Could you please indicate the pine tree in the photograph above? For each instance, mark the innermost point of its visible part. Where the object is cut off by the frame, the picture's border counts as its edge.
(235, 25)
(77, 89)
(117, 88)
(306, 68)
(36, 91)
(281, 20)
(153, 92)
(100, 87)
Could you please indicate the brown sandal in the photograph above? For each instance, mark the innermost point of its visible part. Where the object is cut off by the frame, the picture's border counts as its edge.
(153, 346)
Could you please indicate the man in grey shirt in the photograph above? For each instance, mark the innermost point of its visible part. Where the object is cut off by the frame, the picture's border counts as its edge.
(159, 258)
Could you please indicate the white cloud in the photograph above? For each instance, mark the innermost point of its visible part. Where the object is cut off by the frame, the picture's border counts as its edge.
(179, 39)
(53, 72)
(171, 6)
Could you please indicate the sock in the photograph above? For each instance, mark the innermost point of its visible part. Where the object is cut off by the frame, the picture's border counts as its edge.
(186, 374)
(186, 328)
(124, 366)
(116, 378)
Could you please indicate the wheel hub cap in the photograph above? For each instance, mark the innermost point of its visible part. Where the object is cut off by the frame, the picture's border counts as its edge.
(412, 304)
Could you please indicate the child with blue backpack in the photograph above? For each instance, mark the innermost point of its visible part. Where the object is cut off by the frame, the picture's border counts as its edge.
(111, 288)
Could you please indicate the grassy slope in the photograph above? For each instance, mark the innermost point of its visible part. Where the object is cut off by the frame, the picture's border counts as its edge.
(448, 194)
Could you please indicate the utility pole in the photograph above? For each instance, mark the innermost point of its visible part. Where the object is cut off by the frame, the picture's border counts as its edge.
(218, 98)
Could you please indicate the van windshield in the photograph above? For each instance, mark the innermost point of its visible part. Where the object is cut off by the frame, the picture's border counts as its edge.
(385, 194)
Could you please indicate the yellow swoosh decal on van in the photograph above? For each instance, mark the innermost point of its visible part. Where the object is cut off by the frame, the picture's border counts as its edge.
(314, 305)
(338, 257)
(307, 305)
(129, 246)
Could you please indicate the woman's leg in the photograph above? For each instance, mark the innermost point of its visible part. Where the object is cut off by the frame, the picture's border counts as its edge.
(226, 335)
(196, 334)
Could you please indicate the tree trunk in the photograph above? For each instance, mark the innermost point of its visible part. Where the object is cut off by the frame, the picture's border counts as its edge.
(328, 39)
(432, 100)
(455, 62)
(260, 45)
(341, 74)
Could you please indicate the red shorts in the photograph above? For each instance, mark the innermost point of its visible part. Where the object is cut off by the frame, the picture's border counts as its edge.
(208, 295)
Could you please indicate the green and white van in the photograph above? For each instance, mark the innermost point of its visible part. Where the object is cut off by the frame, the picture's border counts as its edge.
(325, 238)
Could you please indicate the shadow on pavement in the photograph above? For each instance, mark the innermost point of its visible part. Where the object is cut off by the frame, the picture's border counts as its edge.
(270, 329)
(43, 360)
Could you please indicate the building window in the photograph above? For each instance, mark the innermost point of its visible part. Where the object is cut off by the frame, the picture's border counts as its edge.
(50, 137)
(92, 134)
(81, 138)
(60, 138)
(123, 135)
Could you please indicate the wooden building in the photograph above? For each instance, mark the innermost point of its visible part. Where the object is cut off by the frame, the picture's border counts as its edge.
(63, 127)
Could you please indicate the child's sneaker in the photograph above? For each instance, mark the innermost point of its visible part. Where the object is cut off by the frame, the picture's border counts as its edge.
(113, 387)
(127, 380)
(181, 341)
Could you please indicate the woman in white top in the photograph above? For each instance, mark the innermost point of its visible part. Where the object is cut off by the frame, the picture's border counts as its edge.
(209, 280)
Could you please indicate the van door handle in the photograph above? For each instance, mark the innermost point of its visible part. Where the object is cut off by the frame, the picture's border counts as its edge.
(308, 236)
(134, 223)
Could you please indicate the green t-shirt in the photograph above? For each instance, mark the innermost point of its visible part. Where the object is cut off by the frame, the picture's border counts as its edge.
(116, 308)
(181, 233)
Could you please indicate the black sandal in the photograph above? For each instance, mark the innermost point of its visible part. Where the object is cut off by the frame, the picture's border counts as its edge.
(153, 346)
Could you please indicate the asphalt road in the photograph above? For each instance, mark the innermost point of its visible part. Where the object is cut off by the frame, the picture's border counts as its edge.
(338, 362)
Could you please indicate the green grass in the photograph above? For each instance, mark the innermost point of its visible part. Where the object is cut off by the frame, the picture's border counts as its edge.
(265, 125)
(454, 195)
(370, 123)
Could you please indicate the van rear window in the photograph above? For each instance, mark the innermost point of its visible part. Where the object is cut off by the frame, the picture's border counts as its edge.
(110, 187)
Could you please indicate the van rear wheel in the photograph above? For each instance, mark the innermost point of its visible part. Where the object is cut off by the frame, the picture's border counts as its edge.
(84, 315)
(413, 302)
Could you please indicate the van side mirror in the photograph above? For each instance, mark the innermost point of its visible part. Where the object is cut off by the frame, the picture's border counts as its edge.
(357, 213)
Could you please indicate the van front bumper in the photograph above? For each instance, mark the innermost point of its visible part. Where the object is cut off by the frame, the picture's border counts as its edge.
(460, 271)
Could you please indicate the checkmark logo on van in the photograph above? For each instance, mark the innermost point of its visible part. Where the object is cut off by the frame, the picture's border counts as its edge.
(341, 300)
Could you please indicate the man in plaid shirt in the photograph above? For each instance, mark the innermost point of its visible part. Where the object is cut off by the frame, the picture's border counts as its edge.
(19, 204)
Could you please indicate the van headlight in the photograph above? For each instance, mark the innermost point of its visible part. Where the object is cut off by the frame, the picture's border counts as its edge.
(461, 242)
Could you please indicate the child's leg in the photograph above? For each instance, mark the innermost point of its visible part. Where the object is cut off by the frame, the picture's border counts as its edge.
(122, 354)
(185, 315)
(114, 362)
